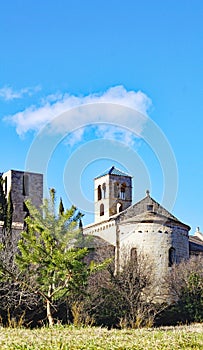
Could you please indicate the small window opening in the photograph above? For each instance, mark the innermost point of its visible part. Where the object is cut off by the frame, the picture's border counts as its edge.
(25, 185)
(101, 209)
(171, 256)
(104, 190)
(122, 193)
(116, 190)
(133, 254)
(99, 193)
(149, 207)
(6, 186)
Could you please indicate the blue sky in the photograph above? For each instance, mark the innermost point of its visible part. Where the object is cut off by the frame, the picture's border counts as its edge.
(146, 55)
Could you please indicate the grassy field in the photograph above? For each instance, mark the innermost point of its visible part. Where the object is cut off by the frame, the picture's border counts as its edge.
(69, 338)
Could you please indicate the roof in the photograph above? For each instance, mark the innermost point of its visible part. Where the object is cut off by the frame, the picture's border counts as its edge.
(113, 171)
(195, 244)
(148, 210)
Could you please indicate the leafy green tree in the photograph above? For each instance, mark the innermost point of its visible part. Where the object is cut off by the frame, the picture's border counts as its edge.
(51, 263)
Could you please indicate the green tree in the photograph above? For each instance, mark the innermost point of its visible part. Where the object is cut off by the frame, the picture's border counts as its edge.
(51, 264)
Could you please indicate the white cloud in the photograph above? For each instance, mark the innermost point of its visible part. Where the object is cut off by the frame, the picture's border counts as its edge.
(114, 132)
(34, 118)
(7, 93)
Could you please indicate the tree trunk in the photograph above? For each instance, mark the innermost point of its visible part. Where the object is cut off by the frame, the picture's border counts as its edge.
(49, 314)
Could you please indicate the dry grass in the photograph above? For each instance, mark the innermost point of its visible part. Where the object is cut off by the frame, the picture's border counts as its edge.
(70, 338)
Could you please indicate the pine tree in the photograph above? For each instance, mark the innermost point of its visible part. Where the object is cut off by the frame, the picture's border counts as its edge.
(51, 263)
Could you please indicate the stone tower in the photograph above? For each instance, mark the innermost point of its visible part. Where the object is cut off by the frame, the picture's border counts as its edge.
(112, 193)
(23, 185)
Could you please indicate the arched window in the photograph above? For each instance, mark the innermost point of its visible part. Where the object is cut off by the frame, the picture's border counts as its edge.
(116, 190)
(133, 254)
(104, 190)
(171, 256)
(122, 192)
(99, 193)
(25, 185)
(119, 207)
(101, 209)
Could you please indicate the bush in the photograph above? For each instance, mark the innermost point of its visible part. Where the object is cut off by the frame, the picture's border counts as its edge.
(186, 289)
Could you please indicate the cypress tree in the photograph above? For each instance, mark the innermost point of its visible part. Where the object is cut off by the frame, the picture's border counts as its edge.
(9, 213)
(2, 201)
(61, 207)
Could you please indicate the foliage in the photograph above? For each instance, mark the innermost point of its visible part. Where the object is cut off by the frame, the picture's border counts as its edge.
(190, 289)
(186, 288)
(49, 263)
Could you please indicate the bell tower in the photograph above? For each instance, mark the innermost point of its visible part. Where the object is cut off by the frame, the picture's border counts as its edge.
(112, 193)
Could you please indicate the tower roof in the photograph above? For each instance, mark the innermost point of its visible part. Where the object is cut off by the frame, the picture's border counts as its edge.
(113, 171)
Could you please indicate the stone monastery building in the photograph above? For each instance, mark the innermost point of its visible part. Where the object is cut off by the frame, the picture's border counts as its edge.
(142, 228)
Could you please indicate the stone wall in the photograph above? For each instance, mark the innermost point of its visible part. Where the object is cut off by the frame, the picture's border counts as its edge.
(151, 240)
(105, 230)
(23, 186)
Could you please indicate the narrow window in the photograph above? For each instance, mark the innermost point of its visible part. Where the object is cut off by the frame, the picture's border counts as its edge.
(104, 190)
(101, 209)
(122, 193)
(171, 256)
(25, 185)
(116, 190)
(99, 193)
(133, 254)
(5, 186)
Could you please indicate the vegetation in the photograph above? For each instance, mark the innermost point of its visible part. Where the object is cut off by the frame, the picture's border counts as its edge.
(186, 291)
(91, 338)
(123, 300)
(49, 264)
